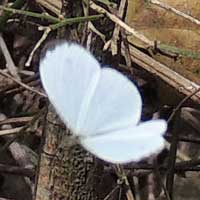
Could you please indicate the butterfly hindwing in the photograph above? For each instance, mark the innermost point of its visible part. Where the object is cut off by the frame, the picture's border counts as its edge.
(128, 144)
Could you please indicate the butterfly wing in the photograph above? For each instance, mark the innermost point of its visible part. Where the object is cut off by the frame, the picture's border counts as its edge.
(116, 103)
(129, 144)
(69, 73)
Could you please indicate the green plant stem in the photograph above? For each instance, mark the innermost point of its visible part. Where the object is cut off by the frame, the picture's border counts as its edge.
(57, 22)
(31, 14)
(179, 51)
(74, 20)
(6, 15)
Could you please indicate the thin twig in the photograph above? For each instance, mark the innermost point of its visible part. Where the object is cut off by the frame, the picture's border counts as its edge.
(90, 25)
(151, 181)
(172, 158)
(11, 131)
(68, 21)
(93, 28)
(53, 5)
(41, 40)
(9, 62)
(177, 12)
(185, 139)
(157, 171)
(53, 27)
(22, 84)
(8, 143)
(188, 116)
(121, 24)
(115, 36)
(176, 80)
(14, 87)
(190, 165)
(17, 170)
(16, 120)
(1, 198)
(107, 197)
(136, 184)
(181, 103)
(121, 174)
(31, 14)
(6, 15)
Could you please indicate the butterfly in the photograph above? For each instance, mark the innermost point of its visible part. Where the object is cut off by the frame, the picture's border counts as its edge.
(99, 105)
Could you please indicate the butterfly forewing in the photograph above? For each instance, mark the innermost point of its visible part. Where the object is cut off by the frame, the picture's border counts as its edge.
(116, 104)
(67, 71)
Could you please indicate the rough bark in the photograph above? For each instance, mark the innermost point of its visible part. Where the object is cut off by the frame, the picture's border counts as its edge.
(66, 171)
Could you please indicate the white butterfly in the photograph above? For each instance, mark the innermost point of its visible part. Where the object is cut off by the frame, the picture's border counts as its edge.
(100, 105)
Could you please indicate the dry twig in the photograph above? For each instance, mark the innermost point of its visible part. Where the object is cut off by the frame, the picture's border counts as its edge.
(9, 62)
(116, 31)
(41, 40)
(11, 131)
(177, 12)
(180, 83)
(16, 120)
(121, 23)
(22, 84)
(181, 103)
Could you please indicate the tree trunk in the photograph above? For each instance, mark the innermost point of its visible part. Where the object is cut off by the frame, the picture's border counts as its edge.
(66, 171)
